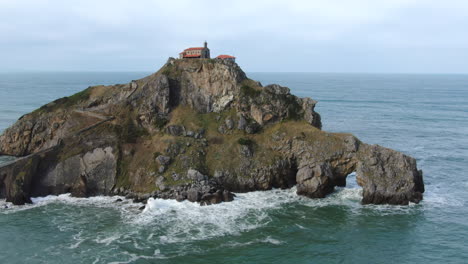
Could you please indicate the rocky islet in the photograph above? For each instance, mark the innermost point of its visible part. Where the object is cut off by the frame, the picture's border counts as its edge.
(197, 130)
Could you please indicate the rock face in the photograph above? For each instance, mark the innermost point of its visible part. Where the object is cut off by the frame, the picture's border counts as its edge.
(388, 176)
(195, 130)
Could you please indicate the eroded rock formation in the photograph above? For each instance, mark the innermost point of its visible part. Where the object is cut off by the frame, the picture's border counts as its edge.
(195, 130)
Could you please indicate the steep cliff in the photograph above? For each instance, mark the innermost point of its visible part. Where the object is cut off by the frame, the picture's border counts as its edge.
(197, 130)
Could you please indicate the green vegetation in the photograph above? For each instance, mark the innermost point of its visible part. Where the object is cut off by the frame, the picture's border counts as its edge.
(171, 70)
(245, 141)
(78, 97)
(249, 91)
(156, 154)
(122, 174)
(160, 122)
(64, 102)
(131, 132)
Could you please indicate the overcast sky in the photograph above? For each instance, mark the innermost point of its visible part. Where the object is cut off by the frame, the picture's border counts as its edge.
(411, 36)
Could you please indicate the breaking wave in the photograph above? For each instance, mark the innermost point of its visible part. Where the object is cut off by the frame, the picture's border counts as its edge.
(149, 233)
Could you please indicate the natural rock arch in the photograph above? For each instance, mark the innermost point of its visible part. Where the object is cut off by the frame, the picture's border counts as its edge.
(386, 176)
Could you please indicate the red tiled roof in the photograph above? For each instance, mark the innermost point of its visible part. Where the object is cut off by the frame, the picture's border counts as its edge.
(196, 48)
(192, 56)
(225, 57)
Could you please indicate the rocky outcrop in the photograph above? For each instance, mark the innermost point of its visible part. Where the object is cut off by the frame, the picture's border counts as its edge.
(388, 177)
(196, 130)
(90, 173)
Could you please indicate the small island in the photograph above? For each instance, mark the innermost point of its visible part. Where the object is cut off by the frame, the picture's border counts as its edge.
(200, 130)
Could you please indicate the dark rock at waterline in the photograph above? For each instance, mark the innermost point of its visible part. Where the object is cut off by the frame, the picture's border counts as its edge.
(193, 195)
(211, 198)
(315, 181)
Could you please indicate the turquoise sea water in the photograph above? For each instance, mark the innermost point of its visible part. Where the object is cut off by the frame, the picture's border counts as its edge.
(425, 116)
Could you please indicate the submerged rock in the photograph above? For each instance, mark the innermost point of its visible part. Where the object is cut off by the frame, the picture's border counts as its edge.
(155, 136)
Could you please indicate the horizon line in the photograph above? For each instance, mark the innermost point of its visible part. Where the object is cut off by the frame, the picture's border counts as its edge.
(303, 72)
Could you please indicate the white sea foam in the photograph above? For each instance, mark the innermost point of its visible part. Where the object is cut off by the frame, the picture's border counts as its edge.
(266, 240)
(100, 201)
(79, 239)
(127, 207)
(271, 240)
(185, 221)
(169, 221)
(189, 221)
(132, 257)
(436, 199)
(107, 240)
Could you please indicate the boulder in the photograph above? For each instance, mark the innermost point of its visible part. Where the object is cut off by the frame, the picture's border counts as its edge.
(277, 89)
(195, 175)
(160, 183)
(193, 195)
(242, 122)
(388, 176)
(176, 130)
(229, 123)
(163, 160)
(228, 196)
(211, 198)
(245, 151)
(315, 181)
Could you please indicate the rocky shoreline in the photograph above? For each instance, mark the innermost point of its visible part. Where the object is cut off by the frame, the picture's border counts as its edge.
(197, 130)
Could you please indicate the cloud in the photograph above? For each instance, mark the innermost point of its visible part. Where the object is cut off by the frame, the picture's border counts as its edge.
(270, 35)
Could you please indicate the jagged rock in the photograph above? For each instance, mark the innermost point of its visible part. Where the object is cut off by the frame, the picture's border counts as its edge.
(218, 174)
(176, 130)
(252, 128)
(277, 89)
(190, 133)
(80, 189)
(242, 122)
(246, 151)
(175, 149)
(222, 103)
(195, 175)
(193, 195)
(229, 123)
(182, 196)
(222, 129)
(315, 182)
(211, 198)
(228, 196)
(160, 183)
(388, 177)
(163, 160)
(309, 114)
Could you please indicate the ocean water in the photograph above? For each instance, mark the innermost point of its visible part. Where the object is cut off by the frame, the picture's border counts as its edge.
(425, 116)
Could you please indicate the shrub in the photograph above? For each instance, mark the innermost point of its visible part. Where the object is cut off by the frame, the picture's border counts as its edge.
(245, 141)
(160, 122)
(216, 140)
(130, 132)
(249, 91)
